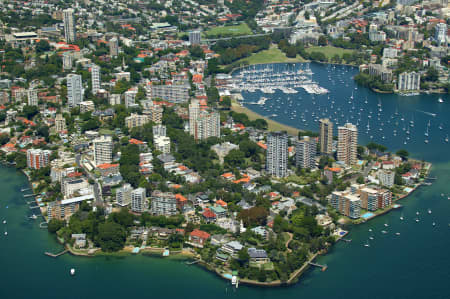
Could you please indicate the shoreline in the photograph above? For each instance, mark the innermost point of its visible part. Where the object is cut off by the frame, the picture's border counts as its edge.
(272, 124)
(156, 252)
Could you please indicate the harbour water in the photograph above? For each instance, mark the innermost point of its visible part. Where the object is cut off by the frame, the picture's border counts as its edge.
(413, 264)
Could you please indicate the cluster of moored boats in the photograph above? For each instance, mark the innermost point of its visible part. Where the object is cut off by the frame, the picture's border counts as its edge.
(269, 79)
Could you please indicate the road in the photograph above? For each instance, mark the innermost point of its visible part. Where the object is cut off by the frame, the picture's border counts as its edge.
(97, 188)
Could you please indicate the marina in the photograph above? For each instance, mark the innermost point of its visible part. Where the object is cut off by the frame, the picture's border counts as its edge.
(284, 77)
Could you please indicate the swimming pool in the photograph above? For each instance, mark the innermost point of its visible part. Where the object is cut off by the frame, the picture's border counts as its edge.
(227, 276)
(367, 215)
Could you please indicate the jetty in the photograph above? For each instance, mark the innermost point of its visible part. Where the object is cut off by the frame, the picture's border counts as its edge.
(56, 254)
(323, 267)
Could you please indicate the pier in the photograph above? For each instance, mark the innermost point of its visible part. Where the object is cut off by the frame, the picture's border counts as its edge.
(56, 254)
(34, 207)
(24, 189)
(193, 262)
(346, 240)
(323, 267)
(43, 225)
(29, 195)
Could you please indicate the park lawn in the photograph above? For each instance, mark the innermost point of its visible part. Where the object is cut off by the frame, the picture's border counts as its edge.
(105, 132)
(329, 51)
(241, 29)
(272, 55)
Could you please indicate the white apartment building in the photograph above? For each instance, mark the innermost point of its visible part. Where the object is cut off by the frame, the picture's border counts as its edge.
(103, 148)
(74, 90)
(163, 203)
(408, 81)
(277, 154)
(159, 130)
(114, 99)
(347, 144)
(171, 93)
(194, 110)
(113, 46)
(386, 178)
(162, 144)
(123, 195)
(441, 33)
(95, 79)
(69, 25)
(138, 200)
(60, 123)
(71, 185)
(195, 37)
(130, 96)
(136, 120)
(86, 106)
(306, 153)
(38, 158)
(32, 95)
(67, 61)
(206, 124)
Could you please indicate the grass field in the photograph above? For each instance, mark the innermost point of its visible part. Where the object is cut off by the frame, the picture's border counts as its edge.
(272, 55)
(241, 29)
(273, 125)
(105, 132)
(329, 51)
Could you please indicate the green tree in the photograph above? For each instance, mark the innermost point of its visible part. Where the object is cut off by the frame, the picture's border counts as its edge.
(323, 40)
(235, 158)
(360, 180)
(55, 225)
(254, 216)
(402, 153)
(111, 236)
(29, 111)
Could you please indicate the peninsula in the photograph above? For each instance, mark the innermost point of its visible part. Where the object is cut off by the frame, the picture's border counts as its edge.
(128, 134)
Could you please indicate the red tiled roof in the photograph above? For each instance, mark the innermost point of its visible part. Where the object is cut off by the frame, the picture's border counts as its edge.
(208, 213)
(135, 141)
(221, 203)
(200, 234)
(74, 174)
(179, 197)
(228, 175)
(262, 145)
(245, 179)
(107, 165)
